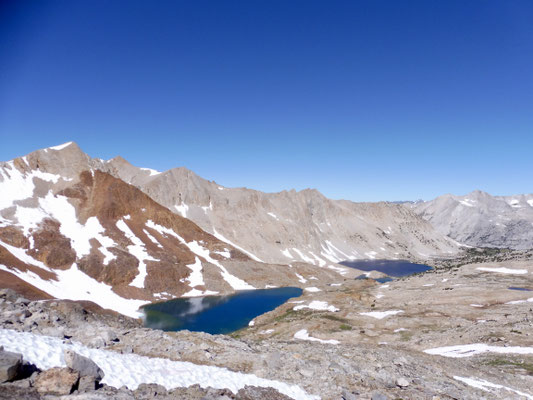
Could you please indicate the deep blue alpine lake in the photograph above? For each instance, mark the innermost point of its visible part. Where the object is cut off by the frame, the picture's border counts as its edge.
(394, 268)
(216, 314)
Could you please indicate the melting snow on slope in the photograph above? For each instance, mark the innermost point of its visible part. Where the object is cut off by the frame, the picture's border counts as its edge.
(312, 289)
(381, 314)
(468, 350)
(16, 185)
(287, 254)
(59, 208)
(196, 278)
(131, 370)
(303, 256)
(196, 248)
(182, 209)
(503, 270)
(487, 386)
(530, 300)
(467, 202)
(339, 270)
(138, 250)
(226, 253)
(317, 305)
(208, 208)
(73, 284)
(152, 239)
(151, 171)
(222, 238)
(301, 279)
(304, 335)
(273, 216)
(60, 147)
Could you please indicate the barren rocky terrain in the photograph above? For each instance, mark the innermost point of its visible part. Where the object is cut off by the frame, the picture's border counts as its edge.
(362, 339)
(85, 242)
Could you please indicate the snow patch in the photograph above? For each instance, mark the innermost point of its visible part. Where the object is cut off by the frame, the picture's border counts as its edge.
(196, 278)
(273, 216)
(487, 386)
(317, 305)
(60, 147)
(503, 270)
(222, 238)
(469, 350)
(182, 209)
(381, 314)
(131, 369)
(304, 335)
(151, 171)
(287, 253)
(72, 284)
(138, 250)
(312, 289)
(202, 252)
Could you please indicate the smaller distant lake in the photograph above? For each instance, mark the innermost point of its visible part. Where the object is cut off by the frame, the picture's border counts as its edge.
(216, 314)
(394, 268)
(520, 288)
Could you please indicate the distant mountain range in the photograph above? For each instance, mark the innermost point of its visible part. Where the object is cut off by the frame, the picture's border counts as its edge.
(479, 219)
(82, 228)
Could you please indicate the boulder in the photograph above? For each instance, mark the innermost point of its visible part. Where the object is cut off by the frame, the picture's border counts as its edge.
(149, 391)
(87, 384)
(264, 393)
(85, 366)
(10, 365)
(11, 392)
(57, 381)
(402, 382)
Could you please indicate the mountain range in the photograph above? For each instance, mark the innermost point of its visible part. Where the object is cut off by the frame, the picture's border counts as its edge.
(82, 228)
(481, 220)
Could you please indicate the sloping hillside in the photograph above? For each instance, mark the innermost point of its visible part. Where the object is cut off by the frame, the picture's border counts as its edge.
(479, 219)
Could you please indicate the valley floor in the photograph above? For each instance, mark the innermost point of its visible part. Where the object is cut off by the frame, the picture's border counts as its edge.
(457, 333)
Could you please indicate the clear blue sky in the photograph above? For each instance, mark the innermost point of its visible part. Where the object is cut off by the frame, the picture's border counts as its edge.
(363, 100)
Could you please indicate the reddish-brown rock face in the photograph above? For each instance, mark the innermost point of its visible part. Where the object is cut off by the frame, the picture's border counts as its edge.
(72, 231)
(118, 236)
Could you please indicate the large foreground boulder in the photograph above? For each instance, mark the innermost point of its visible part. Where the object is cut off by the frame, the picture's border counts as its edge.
(10, 365)
(85, 366)
(57, 381)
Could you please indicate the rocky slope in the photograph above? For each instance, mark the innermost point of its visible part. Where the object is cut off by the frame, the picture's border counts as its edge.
(457, 333)
(479, 219)
(72, 233)
(280, 227)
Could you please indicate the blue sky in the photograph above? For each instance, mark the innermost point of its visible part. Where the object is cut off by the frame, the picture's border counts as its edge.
(363, 100)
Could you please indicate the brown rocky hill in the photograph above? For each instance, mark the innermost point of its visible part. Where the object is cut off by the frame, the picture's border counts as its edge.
(82, 234)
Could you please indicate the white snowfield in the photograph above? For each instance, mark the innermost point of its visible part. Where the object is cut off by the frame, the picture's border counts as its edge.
(487, 386)
(304, 335)
(131, 370)
(68, 283)
(381, 314)
(469, 350)
(312, 289)
(503, 270)
(317, 305)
